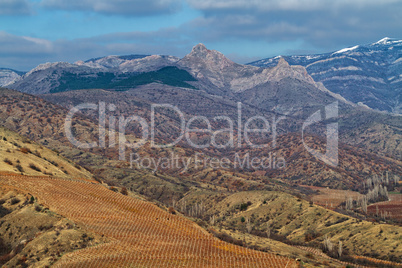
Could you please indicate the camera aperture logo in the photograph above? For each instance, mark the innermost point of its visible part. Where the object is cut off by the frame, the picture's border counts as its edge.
(237, 134)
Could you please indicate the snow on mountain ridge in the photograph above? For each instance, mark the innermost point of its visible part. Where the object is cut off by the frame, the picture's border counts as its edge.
(346, 49)
(386, 41)
(48, 65)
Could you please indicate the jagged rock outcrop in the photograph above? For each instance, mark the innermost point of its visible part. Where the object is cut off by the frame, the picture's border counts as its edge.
(212, 66)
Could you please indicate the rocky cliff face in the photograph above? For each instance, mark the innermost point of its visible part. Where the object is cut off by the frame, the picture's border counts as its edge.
(214, 67)
(368, 74)
(280, 71)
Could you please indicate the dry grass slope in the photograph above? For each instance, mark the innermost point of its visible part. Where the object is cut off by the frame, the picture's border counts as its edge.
(20, 155)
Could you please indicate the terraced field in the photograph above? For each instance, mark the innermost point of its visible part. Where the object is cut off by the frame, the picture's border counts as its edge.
(141, 234)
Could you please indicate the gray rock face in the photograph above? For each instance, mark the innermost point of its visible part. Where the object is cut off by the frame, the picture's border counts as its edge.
(134, 63)
(366, 75)
(213, 68)
(8, 76)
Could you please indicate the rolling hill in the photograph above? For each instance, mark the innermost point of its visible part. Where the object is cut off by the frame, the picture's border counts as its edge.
(20, 155)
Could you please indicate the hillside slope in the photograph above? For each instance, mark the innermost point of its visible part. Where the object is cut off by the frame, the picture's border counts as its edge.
(26, 114)
(31, 235)
(20, 155)
(290, 218)
(140, 233)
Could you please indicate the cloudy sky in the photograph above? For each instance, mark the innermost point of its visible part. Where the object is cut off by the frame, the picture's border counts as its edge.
(37, 31)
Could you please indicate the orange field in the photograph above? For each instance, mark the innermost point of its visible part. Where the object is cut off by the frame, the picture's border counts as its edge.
(141, 234)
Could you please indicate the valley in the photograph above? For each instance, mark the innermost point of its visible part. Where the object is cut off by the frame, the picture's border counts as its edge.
(274, 198)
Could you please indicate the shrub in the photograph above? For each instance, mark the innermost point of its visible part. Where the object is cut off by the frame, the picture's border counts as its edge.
(244, 206)
(311, 234)
(14, 200)
(32, 166)
(114, 189)
(243, 219)
(124, 191)
(25, 150)
(19, 168)
(4, 248)
(37, 153)
(8, 161)
(172, 211)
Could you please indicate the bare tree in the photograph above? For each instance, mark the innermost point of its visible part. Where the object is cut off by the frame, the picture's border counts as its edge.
(340, 248)
(327, 243)
(268, 231)
(212, 220)
(396, 179)
(248, 226)
(174, 203)
(349, 203)
(364, 204)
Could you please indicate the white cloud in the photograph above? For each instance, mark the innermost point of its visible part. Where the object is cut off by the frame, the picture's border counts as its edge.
(24, 53)
(289, 5)
(259, 31)
(321, 24)
(40, 42)
(117, 7)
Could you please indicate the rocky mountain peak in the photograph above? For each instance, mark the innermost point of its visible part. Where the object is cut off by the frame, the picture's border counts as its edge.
(284, 70)
(200, 54)
(200, 48)
(282, 63)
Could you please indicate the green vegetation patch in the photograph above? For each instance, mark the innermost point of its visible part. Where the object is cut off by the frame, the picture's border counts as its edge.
(171, 76)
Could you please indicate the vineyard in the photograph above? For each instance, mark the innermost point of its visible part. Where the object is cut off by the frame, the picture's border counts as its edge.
(332, 198)
(141, 234)
(388, 209)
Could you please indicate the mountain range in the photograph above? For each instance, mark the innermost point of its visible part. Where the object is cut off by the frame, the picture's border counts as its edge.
(368, 75)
